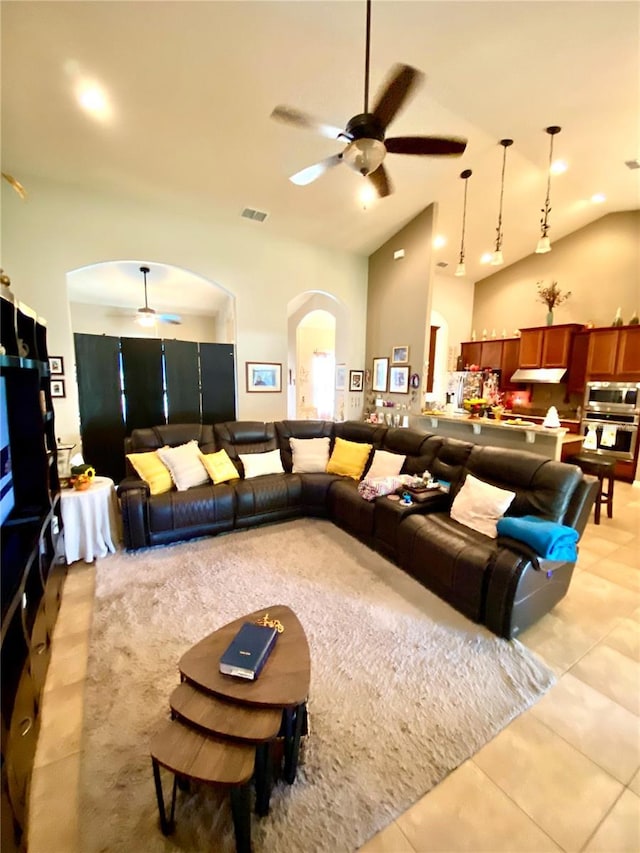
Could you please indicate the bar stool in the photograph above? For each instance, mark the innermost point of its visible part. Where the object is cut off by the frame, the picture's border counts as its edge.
(603, 469)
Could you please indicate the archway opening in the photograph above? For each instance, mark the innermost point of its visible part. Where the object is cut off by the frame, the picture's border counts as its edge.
(316, 366)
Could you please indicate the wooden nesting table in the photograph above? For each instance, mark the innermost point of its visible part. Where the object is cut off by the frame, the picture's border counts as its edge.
(223, 728)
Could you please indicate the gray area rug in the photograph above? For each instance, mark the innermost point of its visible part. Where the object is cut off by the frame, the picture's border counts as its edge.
(403, 688)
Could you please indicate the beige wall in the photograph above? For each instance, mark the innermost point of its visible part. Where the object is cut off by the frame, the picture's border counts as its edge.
(451, 309)
(61, 228)
(101, 320)
(399, 301)
(599, 264)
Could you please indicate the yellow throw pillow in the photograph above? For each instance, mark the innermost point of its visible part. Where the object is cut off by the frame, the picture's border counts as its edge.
(349, 458)
(152, 470)
(219, 466)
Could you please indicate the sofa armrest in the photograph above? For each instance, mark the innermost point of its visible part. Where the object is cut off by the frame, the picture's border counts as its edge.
(134, 504)
(521, 549)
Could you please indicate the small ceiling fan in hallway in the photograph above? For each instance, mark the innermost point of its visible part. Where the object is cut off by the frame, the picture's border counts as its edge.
(147, 316)
(367, 144)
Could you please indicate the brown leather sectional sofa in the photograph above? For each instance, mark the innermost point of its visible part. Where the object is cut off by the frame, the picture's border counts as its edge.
(497, 582)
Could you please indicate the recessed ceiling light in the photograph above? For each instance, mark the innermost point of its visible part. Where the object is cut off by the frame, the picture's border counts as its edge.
(559, 167)
(598, 198)
(486, 258)
(632, 164)
(93, 99)
(439, 241)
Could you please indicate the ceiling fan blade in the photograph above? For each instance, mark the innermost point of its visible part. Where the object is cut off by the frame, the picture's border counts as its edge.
(311, 173)
(290, 115)
(431, 146)
(15, 183)
(400, 84)
(173, 319)
(380, 181)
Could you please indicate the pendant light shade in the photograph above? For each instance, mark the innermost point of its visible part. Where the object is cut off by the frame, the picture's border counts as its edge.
(544, 243)
(496, 258)
(460, 269)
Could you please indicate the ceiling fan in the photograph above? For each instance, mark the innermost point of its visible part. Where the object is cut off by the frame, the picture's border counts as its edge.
(365, 133)
(148, 316)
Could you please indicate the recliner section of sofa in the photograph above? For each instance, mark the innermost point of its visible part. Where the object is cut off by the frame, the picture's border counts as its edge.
(494, 582)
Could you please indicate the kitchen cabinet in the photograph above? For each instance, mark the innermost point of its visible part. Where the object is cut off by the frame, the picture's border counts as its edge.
(577, 374)
(614, 354)
(497, 353)
(470, 353)
(510, 360)
(547, 346)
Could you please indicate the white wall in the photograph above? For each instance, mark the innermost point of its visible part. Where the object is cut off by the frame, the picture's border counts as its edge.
(452, 300)
(61, 228)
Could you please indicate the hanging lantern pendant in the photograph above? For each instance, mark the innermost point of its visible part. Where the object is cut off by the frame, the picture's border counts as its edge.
(497, 258)
(544, 243)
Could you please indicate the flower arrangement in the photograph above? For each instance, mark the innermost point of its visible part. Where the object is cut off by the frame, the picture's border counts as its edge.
(552, 295)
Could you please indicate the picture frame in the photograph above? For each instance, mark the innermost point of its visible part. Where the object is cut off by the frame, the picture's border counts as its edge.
(57, 388)
(400, 355)
(264, 377)
(356, 380)
(399, 380)
(56, 365)
(341, 377)
(380, 374)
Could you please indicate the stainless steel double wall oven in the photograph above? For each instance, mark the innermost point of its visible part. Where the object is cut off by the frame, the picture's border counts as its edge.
(610, 418)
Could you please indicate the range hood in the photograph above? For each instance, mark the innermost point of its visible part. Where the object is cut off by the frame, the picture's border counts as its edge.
(547, 375)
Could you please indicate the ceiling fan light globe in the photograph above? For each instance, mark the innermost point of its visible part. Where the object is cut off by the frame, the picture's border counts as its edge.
(146, 317)
(364, 155)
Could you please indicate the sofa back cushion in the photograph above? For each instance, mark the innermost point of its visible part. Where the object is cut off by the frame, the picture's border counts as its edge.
(419, 448)
(543, 487)
(286, 430)
(365, 433)
(238, 437)
(170, 435)
(449, 462)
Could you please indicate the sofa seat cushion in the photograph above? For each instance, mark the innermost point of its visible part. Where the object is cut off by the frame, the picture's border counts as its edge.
(314, 493)
(206, 508)
(348, 509)
(267, 498)
(449, 558)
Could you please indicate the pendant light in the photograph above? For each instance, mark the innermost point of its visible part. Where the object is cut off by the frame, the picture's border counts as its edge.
(496, 258)
(146, 316)
(460, 269)
(544, 243)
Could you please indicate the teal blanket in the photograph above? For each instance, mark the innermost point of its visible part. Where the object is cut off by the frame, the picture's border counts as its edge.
(547, 538)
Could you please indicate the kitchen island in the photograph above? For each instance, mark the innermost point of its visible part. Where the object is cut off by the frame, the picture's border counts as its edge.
(526, 436)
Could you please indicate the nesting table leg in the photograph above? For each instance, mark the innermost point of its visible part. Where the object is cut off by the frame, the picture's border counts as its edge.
(167, 826)
(240, 809)
(293, 722)
(264, 778)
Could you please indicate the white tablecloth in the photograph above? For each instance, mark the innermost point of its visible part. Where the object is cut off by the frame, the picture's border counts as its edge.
(91, 521)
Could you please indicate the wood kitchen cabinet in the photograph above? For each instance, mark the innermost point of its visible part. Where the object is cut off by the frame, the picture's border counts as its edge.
(470, 353)
(496, 353)
(547, 346)
(509, 365)
(614, 354)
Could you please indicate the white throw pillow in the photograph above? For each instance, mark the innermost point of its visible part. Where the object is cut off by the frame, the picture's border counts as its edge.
(185, 465)
(479, 505)
(385, 464)
(257, 464)
(310, 455)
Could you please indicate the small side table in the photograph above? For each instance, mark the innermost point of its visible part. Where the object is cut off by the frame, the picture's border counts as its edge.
(91, 521)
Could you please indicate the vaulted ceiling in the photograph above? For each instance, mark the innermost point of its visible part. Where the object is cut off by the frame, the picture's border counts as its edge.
(190, 86)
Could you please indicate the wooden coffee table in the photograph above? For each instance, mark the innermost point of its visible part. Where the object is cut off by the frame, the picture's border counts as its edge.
(223, 727)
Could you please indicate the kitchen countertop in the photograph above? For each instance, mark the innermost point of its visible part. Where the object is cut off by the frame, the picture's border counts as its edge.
(493, 423)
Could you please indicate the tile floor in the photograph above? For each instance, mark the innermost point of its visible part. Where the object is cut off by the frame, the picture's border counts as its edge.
(565, 775)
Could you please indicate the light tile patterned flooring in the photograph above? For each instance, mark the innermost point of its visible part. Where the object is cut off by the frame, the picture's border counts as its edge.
(565, 775)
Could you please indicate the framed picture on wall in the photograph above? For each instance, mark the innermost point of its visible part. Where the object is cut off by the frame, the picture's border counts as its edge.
(264, 377)
(341, 377)
(400, 355)
(380, 372)
(356, 380)
(399, 380)
(56, 365)
(57, 388)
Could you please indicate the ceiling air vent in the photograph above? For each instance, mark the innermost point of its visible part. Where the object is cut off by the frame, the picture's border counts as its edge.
(257, 215)
(442, 264)
(632, 164)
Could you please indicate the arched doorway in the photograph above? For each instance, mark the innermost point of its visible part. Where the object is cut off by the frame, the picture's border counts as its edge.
(316, 366)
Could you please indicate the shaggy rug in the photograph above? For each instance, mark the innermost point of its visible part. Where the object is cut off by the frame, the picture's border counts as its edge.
(403, 688)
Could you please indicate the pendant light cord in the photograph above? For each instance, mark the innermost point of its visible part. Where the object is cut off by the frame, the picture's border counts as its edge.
(505, 143)
(466, 175)
(366, 58)
(546, 210)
